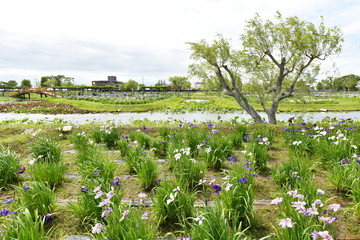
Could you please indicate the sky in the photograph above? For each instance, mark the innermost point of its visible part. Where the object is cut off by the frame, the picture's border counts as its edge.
(145, 40)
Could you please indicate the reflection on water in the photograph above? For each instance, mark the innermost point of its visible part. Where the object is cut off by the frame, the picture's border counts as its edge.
(199, 117)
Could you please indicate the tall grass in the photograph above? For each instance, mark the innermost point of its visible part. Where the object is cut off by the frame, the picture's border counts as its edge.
(128, 224)
(292, 173)
(26, 225)
(213, 224)
(50, 173)
(9, 166)
(37, 197)
(173, 204)
(237, 195)
(46, 150)
(148, 173)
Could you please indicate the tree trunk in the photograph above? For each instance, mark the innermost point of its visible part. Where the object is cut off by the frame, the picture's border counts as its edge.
(249, 109)
(272, 112)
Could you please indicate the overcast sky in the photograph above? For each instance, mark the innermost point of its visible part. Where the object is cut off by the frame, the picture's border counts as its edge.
(144, 40)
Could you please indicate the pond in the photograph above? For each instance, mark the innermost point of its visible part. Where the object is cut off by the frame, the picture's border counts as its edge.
(199, 117)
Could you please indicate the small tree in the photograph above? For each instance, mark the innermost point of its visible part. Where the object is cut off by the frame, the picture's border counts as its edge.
(26, 83)
(12, 84)
(179, 83)
(275, 56)
(131, 85)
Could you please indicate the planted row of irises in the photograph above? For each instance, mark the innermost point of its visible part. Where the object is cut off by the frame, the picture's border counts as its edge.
(177, 155)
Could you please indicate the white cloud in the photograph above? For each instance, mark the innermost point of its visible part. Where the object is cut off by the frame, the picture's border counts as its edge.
(90, 39)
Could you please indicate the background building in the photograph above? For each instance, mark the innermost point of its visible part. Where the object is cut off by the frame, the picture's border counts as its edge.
(110, 82)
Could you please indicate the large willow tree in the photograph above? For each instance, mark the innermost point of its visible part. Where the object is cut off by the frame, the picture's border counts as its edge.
(274, 57)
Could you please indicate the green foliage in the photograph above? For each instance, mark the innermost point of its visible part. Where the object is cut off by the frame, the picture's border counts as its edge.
(187, 171)
(133, 224)
(237, 196)
(46, 150)
(343, 174)
(87, 206)
(9, 166)
(213, 224)
(218, 150)
(293, 173)
(275, 57)
(179, 83)
(148, 173)
(26, 83)
(131, 85)
(173, 204)
(48, 172)
(26, 225)
(37, 197)
(143, 139)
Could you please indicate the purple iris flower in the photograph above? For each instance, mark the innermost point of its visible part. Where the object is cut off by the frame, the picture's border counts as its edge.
(158, 180)
(96, 172)
(4, 212)
(243, 180)
(163, 142)
(233, 159)
(180, 125)
(22, 170)
(217, 188)
(345, 161)
(48, 218)
(116, 182)
(8, 201)
(25, 187)
(247, 137)
(247, 162)
(84, 189)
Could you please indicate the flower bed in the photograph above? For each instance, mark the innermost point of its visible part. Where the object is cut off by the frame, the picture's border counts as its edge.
(186, 181)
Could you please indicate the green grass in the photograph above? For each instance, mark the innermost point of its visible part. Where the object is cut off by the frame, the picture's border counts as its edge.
(99, 107)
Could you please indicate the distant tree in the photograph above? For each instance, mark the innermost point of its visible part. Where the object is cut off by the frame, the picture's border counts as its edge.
(179, 83)
(12, 83)
(56, 81)
(131, 85)
(274, 57)
(25, 83)
(160, 83)
(347, 82)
